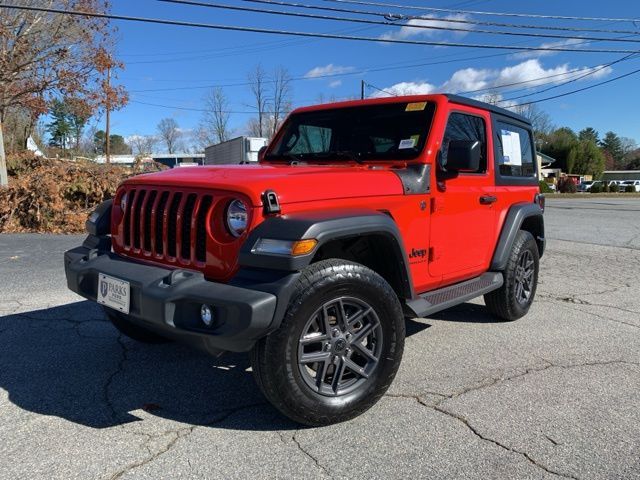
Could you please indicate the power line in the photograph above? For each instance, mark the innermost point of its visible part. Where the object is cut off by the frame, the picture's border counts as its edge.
(379, 89)
(392, 24)
(309, 34)
(591, 71)
(190, 109)
(578, 90)
(401, 16)
(494, 14)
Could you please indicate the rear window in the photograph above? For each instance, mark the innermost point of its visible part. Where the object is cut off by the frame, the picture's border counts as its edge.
(392, 131)
(515, 153)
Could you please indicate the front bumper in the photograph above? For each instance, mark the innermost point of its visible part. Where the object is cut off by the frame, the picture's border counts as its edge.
(168, 301)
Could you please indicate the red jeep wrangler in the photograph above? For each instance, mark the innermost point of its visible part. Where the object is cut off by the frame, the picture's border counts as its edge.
(358, 215)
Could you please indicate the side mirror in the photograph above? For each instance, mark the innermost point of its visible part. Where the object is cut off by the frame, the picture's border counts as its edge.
(462, 156)
(261, 153)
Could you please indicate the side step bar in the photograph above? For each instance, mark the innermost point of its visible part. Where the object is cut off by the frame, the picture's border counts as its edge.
(434, 301)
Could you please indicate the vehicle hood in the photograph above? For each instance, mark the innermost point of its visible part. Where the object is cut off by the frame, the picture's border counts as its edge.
(292, 183)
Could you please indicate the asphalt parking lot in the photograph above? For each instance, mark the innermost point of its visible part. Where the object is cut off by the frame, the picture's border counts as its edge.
(554, 394)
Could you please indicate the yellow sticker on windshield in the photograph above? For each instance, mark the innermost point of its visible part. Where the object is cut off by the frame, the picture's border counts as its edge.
(415, 107)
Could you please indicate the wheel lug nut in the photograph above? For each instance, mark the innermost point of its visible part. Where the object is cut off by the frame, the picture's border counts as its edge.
(335, 332)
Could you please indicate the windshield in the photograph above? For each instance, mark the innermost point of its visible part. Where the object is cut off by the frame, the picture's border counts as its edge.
(392, 131)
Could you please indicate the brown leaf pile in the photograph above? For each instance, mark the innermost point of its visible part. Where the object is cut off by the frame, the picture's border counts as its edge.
(55, 196)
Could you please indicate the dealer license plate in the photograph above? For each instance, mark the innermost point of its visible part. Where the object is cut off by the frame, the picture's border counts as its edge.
(114, 293)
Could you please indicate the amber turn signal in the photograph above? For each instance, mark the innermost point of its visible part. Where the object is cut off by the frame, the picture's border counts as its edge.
(302, 247)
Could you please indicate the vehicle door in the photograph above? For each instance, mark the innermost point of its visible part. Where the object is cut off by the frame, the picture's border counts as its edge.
(463, 220)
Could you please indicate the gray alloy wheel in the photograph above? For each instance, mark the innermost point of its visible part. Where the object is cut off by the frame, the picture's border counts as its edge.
(514, 298)
(524, 273)
(340, 346)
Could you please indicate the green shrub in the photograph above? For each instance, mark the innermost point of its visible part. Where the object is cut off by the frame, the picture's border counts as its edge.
(629, 189)
(596, 188)
(566, 185)
(544, 187)
(605, 188)
(614, 188)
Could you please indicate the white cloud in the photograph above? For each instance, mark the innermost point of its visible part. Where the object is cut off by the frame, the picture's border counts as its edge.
(415, 27)
(335, 84)
(406, 88)
(325, 70)
(527, 74)
(569, 43)
(534, 74)
(467, 79)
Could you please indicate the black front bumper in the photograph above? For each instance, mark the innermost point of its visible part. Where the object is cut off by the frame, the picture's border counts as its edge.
(168, 301)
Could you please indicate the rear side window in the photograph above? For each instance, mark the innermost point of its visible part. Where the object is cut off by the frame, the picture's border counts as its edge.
(461, 126)
(515, 151)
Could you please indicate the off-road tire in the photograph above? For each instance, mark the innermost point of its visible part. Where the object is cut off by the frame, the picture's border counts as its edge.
(503, 303)
(275, 358)
(129, 329)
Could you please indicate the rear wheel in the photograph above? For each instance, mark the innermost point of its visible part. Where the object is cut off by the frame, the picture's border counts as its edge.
(514, 298)
(131, 330)
(338, 348)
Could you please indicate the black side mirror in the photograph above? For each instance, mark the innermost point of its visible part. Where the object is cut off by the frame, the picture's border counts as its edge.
(462, 156)
(261, 153)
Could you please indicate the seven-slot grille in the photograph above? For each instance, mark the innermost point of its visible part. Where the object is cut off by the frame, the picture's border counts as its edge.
(167, 224)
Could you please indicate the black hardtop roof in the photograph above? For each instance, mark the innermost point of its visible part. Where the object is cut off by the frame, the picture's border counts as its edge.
(486, 106)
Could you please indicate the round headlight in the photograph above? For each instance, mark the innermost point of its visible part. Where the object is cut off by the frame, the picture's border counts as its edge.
(123, 201)
(237, 218)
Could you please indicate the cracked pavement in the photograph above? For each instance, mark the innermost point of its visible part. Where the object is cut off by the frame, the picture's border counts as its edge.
(553, 395)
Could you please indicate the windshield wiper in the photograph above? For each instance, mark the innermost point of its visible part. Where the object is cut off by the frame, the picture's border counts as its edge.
(351, 155)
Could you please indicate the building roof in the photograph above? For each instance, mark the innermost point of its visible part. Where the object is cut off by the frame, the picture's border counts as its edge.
(177, 155)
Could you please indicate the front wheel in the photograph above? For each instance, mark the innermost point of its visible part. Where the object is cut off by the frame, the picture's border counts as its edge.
(338, 347)
(513, 299)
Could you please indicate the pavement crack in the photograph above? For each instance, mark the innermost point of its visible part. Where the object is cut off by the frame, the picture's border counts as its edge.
(109, 381)
(555, 443)
(486, 383)
(485, 438)
(175, 435)
(308, 454)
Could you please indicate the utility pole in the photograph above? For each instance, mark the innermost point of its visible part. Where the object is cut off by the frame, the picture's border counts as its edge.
(362, 87)
(107, 146)
(4, 179)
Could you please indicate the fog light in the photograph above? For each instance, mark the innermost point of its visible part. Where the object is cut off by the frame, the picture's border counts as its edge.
(206, 315)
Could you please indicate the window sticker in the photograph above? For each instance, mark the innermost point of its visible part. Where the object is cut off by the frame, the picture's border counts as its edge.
(415, 107)
(511, 151)
(406, 143)
(416, 139)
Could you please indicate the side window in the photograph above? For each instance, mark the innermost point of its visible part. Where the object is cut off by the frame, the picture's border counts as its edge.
(461, 126)
(515, 153)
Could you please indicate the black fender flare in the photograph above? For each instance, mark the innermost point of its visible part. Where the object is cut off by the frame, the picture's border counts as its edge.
(324, 226)
(516, 216)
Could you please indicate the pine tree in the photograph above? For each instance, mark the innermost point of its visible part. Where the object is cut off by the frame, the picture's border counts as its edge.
(612, 145)
(60, 127)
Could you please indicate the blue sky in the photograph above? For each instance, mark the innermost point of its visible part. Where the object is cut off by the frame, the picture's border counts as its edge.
(174, 66)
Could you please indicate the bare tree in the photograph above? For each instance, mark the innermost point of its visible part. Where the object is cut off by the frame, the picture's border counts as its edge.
(540, 120)
(169, 133)
(214, 126)
(45, 54)
(142, 144)
(281, 98)
(258, 84)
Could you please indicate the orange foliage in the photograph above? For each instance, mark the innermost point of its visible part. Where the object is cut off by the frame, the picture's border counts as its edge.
(55, 196)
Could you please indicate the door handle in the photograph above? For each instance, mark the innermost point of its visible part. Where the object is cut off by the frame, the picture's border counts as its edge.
(488, 199)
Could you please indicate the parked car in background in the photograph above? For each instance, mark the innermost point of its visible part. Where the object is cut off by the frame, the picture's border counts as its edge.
(634, 183)
(585, 186)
